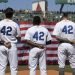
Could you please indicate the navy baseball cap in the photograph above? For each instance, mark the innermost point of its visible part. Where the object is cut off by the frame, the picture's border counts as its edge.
(8, 10)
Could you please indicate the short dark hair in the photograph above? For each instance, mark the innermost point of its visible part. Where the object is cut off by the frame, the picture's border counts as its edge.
(8, 12)
(36, 20)
(65, 14)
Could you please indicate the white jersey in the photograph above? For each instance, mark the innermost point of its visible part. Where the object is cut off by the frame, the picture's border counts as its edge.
(9, 30)
(38, 34)
(65, 29)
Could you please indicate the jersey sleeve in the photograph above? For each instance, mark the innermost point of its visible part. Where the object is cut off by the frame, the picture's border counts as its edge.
(48, 36)
(74, 31)
(18, 31)
(56, 30)
(27, 35)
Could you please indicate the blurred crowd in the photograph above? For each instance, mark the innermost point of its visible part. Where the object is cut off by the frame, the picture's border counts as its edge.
(27, 15)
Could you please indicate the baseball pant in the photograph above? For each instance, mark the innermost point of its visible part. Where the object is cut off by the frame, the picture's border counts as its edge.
(8, 55)
(66, 50)
(36, 56)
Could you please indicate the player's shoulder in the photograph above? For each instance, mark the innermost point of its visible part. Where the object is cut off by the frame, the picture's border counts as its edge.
(2, 22)
(14, 24)
(71, 22)
(11, 23)
(60, 22)
(8, 20)
(33, 28)
(43, 27)
(30, 28)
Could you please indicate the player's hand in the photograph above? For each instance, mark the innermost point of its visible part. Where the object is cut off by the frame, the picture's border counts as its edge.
(8, 45)
(73, 41)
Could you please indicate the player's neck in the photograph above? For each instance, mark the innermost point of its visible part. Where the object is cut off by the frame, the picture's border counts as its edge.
(65, 18)
(36, 25)
(8, 18)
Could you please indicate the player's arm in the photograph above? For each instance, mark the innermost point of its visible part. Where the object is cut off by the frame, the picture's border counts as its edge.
(57, 32)
(32, 44)
(48, 38)
(5, 43)
(18, 36)
(73, 41)
(63, 40)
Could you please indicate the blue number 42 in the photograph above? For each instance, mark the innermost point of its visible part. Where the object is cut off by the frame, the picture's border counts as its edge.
(67, 29)
(39, 36)
(6, 30)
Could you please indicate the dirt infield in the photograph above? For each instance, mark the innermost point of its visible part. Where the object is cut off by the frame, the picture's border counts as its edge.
(52, 70)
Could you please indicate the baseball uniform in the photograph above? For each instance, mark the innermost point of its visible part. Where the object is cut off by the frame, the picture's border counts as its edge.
(39, 35)
(9, 31)
(65, 29)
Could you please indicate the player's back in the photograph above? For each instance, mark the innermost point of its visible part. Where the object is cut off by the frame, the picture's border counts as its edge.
(8, 28)
(67, 29)
(38, 34)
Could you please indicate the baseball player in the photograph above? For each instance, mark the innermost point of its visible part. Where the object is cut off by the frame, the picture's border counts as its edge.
(10, 32)
(64, 32)
(37, 37)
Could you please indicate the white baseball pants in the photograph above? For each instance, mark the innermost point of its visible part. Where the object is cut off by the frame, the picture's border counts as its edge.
(66, 50)
(8, 55)
(36, 56)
